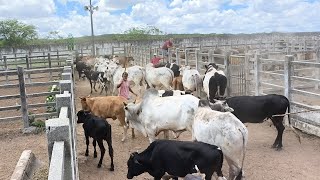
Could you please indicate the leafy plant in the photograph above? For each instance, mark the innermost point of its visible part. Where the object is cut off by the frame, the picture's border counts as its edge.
(51, 98)
(38, 123)
(31, 117)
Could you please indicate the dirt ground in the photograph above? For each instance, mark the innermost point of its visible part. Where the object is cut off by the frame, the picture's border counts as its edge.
(295, 161)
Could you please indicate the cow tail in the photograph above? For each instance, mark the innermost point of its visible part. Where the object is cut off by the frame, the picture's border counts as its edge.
(239, 176)
(295, 132)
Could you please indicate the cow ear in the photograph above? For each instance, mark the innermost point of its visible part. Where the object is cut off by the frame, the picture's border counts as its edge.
(206, 66)
(125, 104)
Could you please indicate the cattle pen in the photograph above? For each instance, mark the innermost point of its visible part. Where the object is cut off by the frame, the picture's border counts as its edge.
(291, 73)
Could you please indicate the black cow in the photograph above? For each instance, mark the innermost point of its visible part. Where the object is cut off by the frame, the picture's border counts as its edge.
(81, 67)
(217, 80)
(99, 130)
(177, 158)
(95, 76)
(174, 67)
(254, 109)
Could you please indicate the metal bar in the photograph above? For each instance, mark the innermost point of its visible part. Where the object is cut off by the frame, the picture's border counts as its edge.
(305, 92)
(270, 84)
(10, 96)
(9, 119)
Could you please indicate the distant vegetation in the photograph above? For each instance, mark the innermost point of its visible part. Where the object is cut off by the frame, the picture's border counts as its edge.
(16, 34)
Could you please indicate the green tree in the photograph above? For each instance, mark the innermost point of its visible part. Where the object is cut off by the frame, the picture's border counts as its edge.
(139, 33)
(14, 33)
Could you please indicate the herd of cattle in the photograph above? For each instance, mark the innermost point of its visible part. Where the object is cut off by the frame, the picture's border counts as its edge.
(216, 125)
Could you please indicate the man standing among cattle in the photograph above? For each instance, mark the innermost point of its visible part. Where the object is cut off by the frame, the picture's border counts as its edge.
(155, 60)
(165, 48)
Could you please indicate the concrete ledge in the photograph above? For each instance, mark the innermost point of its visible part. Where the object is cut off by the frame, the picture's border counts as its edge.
(305, 127)
(23, 168)
(56, 170)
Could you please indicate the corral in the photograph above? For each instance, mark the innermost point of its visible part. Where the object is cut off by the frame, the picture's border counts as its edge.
(295, 161)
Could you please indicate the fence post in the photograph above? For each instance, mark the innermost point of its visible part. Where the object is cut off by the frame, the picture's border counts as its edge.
(318, 69)
(65, 85)
(112, 50)
(169, 55)
(227, 71)
(6, 68)
(288, 72)
(177, 56)
(197, 58)
(50, 66)
(58, 57)
(23, 97)
(186, 57)
(28, 67)
(257, 67)
(247, 72)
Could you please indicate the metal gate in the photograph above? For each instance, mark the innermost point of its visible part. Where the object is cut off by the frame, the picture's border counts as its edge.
(238, 75)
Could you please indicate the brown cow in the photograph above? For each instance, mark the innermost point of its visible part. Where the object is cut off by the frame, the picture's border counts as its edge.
(125, 61)
(107, 107)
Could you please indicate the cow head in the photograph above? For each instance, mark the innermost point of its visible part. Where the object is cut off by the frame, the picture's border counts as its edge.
(82, 115)
(84, 103)
(217, 105)
(210, 66)
(135, 167)
(132, 110)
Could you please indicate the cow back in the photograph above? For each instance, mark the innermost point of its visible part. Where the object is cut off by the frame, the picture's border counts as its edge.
(255, 109)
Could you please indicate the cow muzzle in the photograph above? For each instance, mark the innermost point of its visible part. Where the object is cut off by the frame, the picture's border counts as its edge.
(129, 176)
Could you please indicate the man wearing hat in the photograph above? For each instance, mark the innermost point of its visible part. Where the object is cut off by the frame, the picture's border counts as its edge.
(155, 60)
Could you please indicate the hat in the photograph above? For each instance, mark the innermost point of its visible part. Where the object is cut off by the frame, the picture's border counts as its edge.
(155, 54)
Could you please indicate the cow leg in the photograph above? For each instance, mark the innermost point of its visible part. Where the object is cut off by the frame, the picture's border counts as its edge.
(90, 86)
(213, 88)
(222, 86)
(94, 143)
(103, 150)
(94, 86)
(87, 143)
(234, 169)
(166, 134)
(125, 129)
(133, 135)
(278, 123)
(109, 141)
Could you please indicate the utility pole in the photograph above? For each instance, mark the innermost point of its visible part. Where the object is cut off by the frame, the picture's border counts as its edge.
(90, 8)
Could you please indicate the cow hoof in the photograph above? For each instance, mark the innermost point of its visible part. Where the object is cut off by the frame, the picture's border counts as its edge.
(274, 146)
(112, 168)
(86, 154)
(278, 148)
(99, 166)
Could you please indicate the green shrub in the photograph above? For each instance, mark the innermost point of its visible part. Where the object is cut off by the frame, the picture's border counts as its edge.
(52, 98)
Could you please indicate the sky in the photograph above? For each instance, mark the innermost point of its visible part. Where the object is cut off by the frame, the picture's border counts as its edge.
(171, 16)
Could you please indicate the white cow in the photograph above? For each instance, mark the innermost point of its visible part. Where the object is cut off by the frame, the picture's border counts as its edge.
(135, 75)
(214, 79)
(191, 79)
(155, 114)
(157, 77)
(224, 130)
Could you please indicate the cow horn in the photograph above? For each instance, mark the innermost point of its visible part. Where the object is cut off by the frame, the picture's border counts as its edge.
(134, 101)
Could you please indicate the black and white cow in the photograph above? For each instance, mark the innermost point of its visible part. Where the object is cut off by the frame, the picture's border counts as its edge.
(214, 79)
(254, 109)
(177, 159)
(174, 67)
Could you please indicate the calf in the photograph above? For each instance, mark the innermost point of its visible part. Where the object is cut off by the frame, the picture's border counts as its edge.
(99, 130)
(177, 158)
(254, 109)
(107, 107)
(95, 76)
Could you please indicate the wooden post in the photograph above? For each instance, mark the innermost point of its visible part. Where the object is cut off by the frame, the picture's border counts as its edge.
(81, 52)
(210, 56)
(197, 59)
(23, 97)
(58, 57)
(257, 67)
(28, 67)
(169, 55)
(6, 67)
(50, 66)
(288, 72)
(112, 50)
(177, 56)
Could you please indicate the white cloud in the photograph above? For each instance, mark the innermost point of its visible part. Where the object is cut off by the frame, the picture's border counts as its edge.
(172, 16)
